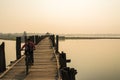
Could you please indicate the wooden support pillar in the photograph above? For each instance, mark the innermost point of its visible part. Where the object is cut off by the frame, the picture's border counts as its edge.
(39, 38)
(18, 47)
(2, 58)
(68, 73)
(36, 39)
(73, 72)
(57, 44)
(25, 38)
(64, 74)
(62, 60)
(53, 40)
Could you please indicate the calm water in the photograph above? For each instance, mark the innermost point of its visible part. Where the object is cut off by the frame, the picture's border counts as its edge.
(95, 59)
(10, 47)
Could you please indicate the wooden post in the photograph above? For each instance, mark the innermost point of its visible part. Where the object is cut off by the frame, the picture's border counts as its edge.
(53, 40)
(64, 74)
(62, 60)
(18, 47)
(73, 72)
(68, 73)
(57, 44)
(36, 39)
(25, 39)
(64, 57)
(39, 39)
(2, 58)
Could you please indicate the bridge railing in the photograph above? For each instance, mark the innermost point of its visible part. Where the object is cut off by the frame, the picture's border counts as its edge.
(52, 38)
(64, 72)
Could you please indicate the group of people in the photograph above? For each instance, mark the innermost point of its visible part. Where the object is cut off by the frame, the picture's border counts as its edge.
(29, 48)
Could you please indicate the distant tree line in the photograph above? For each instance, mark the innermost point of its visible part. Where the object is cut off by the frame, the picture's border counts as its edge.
(9, 36)
(12, 36)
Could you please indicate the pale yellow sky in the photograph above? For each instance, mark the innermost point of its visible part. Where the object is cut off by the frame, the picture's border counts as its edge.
(60, 16)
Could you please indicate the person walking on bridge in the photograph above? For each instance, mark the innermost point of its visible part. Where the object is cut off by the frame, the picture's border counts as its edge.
(29, 47)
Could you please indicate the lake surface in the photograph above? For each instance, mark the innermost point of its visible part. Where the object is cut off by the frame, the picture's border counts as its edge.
(10, 50)
(94, 59)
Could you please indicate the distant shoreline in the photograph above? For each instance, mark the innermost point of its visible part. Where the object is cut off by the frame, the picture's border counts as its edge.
(7, 39)
(92, 37)
(63, 38)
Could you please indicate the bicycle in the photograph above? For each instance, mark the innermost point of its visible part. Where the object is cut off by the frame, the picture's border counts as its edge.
(28, 62)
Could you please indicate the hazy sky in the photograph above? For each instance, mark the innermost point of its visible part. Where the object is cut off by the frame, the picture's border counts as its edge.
(60, 16)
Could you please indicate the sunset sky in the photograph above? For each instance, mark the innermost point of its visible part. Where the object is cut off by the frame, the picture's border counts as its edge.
(60, 16)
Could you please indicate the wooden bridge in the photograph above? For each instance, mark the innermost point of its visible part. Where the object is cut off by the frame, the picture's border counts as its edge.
(47, 64)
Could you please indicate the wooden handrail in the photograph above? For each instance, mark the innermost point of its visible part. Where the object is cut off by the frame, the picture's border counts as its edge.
(11, 67)
(57, 59)
(58, 66)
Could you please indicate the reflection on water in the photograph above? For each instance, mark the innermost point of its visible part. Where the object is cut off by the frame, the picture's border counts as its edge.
(10, 53)
(95, 59)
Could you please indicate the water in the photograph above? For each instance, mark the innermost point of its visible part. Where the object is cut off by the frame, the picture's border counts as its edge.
(10, 50)
(96, 59)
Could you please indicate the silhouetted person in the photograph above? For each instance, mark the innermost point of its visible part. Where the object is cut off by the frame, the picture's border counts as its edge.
(29, 48)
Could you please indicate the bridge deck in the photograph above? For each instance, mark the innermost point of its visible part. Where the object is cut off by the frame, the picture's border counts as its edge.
(44, 68)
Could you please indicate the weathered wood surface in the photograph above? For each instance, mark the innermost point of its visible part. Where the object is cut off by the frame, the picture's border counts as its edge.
(44, 68)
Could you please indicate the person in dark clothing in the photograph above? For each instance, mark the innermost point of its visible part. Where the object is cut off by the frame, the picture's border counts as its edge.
(29, 47)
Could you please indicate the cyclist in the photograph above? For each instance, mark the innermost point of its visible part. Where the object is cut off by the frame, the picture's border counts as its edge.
(29, 47)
